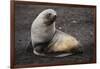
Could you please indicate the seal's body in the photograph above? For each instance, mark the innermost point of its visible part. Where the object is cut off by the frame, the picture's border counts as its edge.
(43, 27)
(46, 39)
(63, 42)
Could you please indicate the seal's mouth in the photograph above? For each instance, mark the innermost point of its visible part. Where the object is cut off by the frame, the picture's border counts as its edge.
(53, 18)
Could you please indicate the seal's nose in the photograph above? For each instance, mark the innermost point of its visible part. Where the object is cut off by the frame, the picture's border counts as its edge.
(54, 17)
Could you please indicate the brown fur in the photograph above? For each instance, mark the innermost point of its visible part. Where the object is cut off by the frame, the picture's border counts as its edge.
(63, 43)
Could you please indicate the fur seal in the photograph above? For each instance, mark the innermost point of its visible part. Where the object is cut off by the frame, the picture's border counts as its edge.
(46, 40)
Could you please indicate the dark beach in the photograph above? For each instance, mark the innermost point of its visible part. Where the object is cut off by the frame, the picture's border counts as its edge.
(76, 21)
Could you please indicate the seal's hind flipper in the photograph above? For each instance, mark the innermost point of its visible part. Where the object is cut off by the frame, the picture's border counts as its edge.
(78, 50)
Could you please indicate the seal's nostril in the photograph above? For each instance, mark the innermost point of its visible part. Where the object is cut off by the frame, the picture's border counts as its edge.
(55, 16)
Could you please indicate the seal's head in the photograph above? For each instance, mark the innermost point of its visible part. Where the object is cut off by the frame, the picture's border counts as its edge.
(48, 16)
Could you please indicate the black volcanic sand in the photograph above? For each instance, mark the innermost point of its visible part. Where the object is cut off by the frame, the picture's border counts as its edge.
(76, 21)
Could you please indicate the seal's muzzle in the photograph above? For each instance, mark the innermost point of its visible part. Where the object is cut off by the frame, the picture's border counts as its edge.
(51, 20)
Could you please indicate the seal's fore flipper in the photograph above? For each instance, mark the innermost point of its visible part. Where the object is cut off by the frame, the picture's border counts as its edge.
(29, 47)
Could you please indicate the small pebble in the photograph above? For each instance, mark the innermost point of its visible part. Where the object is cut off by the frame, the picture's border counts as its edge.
(60, 27)
(20, 40)
(74, 21)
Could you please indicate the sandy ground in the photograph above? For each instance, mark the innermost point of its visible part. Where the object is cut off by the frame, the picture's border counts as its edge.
(75, 21)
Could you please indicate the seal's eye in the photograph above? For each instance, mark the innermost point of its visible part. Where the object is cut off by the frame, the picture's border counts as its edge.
(49, 14)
